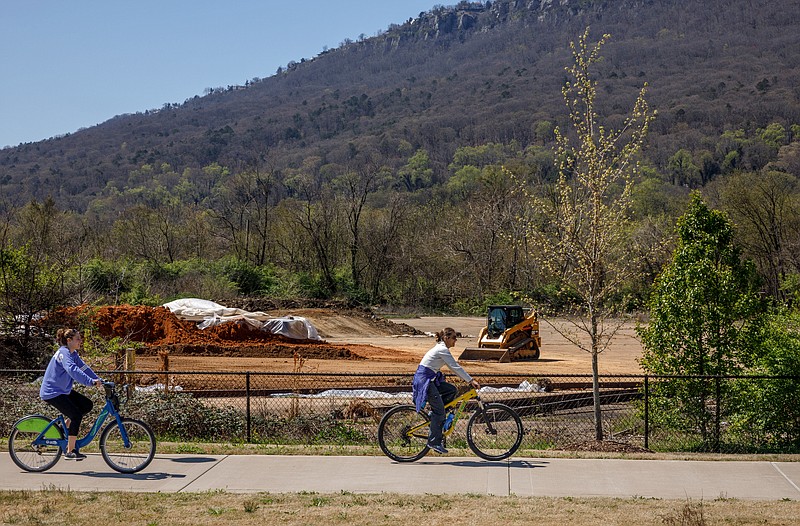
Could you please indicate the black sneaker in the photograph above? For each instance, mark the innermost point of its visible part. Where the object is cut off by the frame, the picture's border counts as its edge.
(74, 455)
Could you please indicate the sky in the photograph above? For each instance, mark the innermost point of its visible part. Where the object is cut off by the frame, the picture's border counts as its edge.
(71, 64)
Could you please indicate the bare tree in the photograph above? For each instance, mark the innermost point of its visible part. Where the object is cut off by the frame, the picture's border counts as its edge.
(314, 211)
(383, 229)
(583, 234)
(356, 186)
(243, 208)
(766, 208)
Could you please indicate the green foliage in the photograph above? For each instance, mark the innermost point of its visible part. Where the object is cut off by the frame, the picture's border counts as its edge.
(184, 417)
(790, 286)
(705, 319)
(465, 180)
(249, 279)
(773, 135)
(417, 173)
(140, 294)
(705, 307)
(479, 306)
(768, 410)
(312, 285)
(29, 284)
(109, 278)
(683, 170)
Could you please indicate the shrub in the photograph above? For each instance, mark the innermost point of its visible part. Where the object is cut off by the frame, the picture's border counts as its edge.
(306, 429)
(182, 416)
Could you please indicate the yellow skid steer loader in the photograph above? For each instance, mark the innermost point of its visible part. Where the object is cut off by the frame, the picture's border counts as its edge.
(509, 336)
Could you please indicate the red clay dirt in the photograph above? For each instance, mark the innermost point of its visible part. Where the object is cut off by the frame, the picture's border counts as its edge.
(354, 341)
(158, 330)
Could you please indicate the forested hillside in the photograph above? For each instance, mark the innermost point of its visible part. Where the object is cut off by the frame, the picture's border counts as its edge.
(452, 77)
(373, 170)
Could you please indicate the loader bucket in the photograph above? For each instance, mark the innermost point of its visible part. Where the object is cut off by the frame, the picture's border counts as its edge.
(485, 355)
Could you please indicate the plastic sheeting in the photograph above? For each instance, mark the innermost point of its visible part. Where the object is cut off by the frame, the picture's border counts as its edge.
(524, 387)
(208, 314)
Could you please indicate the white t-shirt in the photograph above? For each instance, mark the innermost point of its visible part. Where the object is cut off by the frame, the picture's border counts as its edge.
(440, 355)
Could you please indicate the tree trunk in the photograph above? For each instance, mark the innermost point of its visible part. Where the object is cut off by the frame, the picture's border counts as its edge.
(598, 416)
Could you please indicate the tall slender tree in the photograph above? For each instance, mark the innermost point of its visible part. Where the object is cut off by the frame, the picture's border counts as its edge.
(583, 232)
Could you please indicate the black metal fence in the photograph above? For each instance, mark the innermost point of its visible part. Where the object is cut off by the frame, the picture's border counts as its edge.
(719, 414)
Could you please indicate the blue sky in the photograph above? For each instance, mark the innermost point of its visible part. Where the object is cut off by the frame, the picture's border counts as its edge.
(71, 64)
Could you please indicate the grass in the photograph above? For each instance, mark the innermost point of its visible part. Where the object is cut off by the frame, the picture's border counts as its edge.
(50, 506)
(58, 506)
(457, 449)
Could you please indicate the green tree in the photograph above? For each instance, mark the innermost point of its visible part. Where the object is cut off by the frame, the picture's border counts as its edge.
(773, 135)
(583, 232)
(39, 244)
(768, 410)
(28, 287)
(417, 173)
(705, 316)
(543, 131)
(682, 169)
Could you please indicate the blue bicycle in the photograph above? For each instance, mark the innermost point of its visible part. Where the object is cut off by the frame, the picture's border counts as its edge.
(127, 445)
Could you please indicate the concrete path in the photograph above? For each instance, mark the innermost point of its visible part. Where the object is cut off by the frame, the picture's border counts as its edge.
(667, 479)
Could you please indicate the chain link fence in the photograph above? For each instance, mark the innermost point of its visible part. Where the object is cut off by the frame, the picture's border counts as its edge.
(718, 414)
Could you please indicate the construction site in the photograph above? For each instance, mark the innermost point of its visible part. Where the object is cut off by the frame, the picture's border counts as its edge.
(349, 340)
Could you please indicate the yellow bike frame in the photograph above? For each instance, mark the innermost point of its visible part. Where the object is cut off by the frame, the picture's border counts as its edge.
(459, 403)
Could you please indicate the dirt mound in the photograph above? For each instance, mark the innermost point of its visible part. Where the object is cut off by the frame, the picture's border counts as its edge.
(333, 322)
(160, 330)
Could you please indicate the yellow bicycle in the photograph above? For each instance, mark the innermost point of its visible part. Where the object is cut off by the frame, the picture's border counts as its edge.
(494, 430)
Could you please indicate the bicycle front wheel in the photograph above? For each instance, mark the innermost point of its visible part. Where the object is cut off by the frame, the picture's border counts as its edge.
(494, 433)
(128, 459)
(403, 434)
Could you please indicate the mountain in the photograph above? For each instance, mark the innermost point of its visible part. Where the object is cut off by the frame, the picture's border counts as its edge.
(455, 76)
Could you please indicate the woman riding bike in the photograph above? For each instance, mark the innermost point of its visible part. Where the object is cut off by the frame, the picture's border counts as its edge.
(429, 384)
(65, 367)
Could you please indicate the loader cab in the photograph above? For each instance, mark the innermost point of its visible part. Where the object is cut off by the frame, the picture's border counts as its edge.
(509, 336)
(502, 317)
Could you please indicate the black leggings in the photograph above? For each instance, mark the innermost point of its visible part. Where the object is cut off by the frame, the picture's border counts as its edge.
(73, 406)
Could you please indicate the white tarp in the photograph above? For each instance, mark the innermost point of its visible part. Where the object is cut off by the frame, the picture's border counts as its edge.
(524, 387)
(292, 326)
(347, 393)
(209, 314)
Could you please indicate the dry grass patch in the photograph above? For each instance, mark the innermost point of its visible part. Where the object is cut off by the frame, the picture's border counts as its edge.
(218, 507)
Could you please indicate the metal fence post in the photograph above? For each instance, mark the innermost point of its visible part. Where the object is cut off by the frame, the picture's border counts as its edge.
(247, 397)
(717, 444)
(646, 412)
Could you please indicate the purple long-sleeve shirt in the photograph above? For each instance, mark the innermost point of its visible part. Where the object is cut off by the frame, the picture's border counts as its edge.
(64, 367)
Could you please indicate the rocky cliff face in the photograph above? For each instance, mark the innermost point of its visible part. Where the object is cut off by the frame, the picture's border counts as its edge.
(444, 22)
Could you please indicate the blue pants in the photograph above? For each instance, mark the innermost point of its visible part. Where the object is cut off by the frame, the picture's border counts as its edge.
(438, 396)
